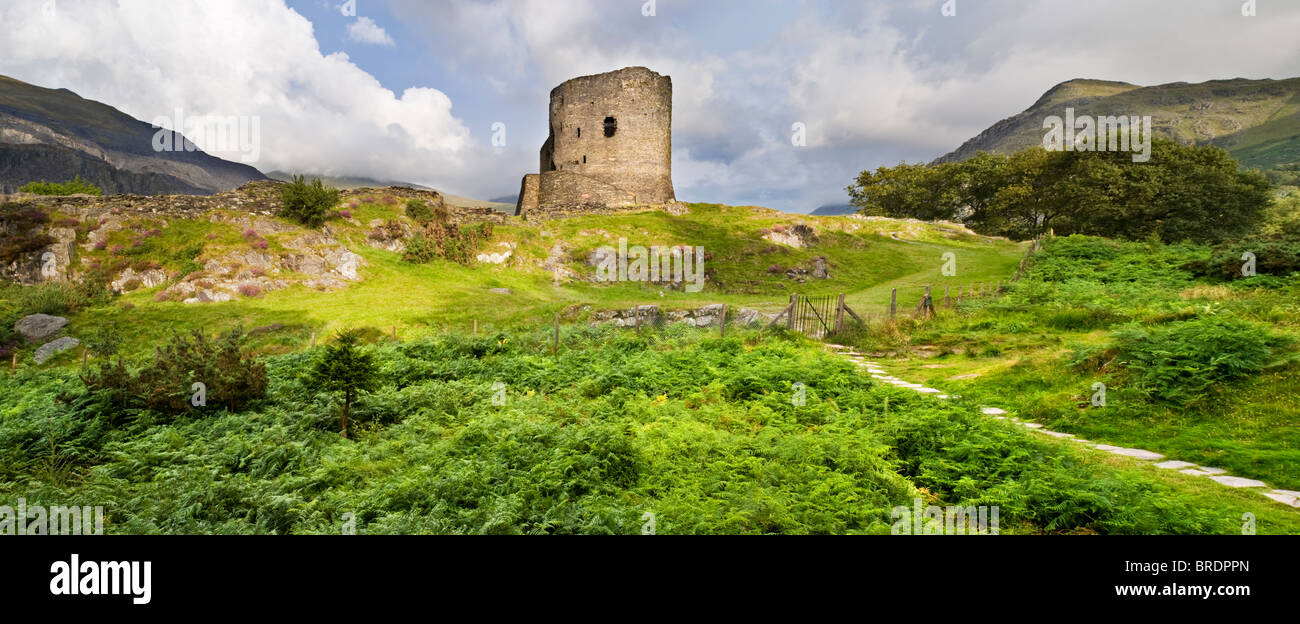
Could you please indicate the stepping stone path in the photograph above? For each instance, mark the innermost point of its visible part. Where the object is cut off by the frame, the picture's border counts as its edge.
(1218, 475)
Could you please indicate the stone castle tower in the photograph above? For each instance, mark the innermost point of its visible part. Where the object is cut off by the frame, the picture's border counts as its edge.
(610, 145)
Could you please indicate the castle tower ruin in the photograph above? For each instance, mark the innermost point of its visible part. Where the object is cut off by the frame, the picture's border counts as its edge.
(610, 145)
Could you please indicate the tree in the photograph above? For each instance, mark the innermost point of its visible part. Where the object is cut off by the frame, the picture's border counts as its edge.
(308, 204)
(345, 368)
(1184, 192)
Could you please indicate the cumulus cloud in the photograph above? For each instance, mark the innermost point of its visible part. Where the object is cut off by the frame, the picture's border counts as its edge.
(252, 58)
(365, 30)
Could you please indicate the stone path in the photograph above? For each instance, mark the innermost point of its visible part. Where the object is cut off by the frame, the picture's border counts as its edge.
(1218, 475)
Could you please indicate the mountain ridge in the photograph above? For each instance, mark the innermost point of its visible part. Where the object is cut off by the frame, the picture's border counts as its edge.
(1256, 120)
(55, 134)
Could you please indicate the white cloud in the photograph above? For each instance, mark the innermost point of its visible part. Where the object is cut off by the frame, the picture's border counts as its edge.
(365, 30)
(246, 58)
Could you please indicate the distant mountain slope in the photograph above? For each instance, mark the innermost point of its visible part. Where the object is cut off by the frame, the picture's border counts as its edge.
(1257, 121)
(834, 210)
(344, 182)
(54, 134)
(354, 182)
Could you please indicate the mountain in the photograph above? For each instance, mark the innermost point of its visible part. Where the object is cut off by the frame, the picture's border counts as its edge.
(354, 182)
(345, 182)
(54, 134)
(1257, 121)
(834, 210)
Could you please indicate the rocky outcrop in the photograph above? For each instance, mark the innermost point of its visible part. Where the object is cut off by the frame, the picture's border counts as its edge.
(40, 327)
(502, 255)
(798, 236)
(130, 280)
(322, 262)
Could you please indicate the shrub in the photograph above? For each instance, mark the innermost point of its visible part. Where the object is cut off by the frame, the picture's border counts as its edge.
(451, 242)
(419, 211)
(75, 186)
(1180, 362)
(1274, 255)
(233, 377)
(307, 204)
(249, 290)
(16, 221)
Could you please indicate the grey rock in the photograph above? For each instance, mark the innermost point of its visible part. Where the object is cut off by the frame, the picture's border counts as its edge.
(1128, 452)
(51, 349)
(819, 269)
(1238, 482)
(501, 291)
(40, 327)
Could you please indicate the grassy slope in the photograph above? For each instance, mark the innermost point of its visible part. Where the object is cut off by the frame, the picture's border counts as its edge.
(864, 261)
(1013, 352)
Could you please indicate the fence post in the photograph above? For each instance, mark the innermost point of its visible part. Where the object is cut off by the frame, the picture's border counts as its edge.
(789, 318)
(475, 327)
(947, 296)
(556, 347)
(893, 303)
(723, 326)
(313, 338)
(636, 310)
(839, 315)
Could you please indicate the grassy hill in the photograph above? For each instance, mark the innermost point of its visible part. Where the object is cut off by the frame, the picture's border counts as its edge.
(866, 258)
(1257, 121)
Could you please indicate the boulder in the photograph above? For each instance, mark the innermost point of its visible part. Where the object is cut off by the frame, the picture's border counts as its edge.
(51, 349)
(819, 270)
(130, 280)
(40, 327)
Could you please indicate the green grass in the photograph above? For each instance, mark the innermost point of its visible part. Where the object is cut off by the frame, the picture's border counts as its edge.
(1015, 352)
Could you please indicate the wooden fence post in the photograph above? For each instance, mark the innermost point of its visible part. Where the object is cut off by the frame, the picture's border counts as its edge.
(475, 327)
(395, 333)
(789, 318)
(14, 365)
(556, 347)
(839, 315)
(636, 311)
(947, 296)
(313, 338)
(893, 303)
(722, 327)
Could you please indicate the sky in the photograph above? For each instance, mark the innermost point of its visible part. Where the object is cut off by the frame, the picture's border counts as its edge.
(453, 94)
